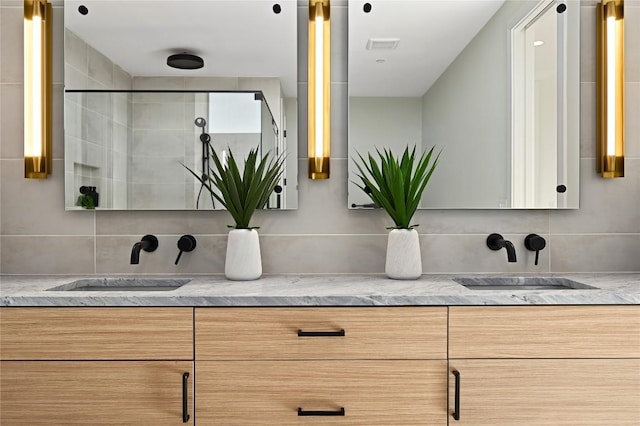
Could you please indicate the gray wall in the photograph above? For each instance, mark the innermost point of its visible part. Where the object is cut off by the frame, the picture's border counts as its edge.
(382, 123)
(38, 237)
(476, 80)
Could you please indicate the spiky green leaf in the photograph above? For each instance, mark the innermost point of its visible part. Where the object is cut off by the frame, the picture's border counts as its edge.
(242, 193)
(396, 184)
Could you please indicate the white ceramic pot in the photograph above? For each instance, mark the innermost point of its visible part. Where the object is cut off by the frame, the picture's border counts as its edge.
(403, 255)
(243, 262)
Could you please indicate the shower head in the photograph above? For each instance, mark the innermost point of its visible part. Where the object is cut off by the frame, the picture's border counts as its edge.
(200, 122)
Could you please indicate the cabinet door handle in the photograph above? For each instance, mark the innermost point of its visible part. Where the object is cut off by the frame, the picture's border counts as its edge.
(339, 412)
(185, 398)
(456, 399)
(339, 333)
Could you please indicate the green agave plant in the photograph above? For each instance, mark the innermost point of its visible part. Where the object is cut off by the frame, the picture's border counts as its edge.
(242, 194)
(396, 184)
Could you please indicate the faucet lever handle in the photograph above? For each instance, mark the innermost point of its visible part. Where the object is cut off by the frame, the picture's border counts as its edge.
(535, 242)
(185, 243)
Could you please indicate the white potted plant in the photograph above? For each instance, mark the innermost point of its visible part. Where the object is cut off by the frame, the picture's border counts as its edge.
(396, 184)
(241, 194)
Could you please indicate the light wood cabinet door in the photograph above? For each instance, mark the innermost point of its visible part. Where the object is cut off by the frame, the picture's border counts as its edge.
(321, 333)
(95, 392)
(275, 393)
(538, 392)
(544, 332)
(93, 333)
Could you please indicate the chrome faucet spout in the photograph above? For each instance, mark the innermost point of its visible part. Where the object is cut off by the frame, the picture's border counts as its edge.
(148, 243)
(496, 242)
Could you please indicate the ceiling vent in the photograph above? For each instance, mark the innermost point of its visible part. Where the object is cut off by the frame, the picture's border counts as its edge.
(382, 43)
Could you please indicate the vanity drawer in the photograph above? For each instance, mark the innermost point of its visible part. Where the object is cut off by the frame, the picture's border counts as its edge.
(371, 392)
(96, 333)
(544, 332)
(273, 333)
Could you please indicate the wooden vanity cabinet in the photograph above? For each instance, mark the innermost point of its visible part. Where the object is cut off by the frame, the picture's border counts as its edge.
(524, 365)
(94, 366)
(544, 365)
(321, 366)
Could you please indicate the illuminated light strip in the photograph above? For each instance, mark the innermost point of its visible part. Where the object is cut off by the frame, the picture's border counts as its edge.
(611, 85)
(319, 83)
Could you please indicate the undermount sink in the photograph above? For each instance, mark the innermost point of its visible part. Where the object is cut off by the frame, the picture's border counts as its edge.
(123, 284)
(521, 283)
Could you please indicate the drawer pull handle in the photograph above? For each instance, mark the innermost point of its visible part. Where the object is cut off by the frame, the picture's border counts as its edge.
(339, 412)
(339, 333)
(456, 399)
(185, 398)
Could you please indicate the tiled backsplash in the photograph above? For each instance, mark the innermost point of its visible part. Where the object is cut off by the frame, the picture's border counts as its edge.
(37, 236)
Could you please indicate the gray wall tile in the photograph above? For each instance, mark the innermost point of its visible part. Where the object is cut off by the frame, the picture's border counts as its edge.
(37, 207)
(12, 125)
(47, 255)
(606, 205)
(632, 119)
(587, 44)
(595, 253)
(587, 122)
(341, 254)
(12, 47)
(631, 37)
(114, 253)
(470, 254)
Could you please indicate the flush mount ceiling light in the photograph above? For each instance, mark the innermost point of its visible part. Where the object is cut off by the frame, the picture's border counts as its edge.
(319, 93)
(37, 89)
(185, 61)
(610, 88)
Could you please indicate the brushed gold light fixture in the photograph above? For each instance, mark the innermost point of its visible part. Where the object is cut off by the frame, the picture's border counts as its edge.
(319, 93)
(610, 89)
(37, 89)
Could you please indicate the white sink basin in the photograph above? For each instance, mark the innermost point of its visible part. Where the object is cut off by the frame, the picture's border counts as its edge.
(123, 284)
(521, 283)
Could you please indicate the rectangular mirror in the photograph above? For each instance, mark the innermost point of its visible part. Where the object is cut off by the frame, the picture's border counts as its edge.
(493, 83)
(132, 121)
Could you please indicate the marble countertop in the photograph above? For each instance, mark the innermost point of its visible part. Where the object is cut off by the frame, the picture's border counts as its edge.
(321, 290)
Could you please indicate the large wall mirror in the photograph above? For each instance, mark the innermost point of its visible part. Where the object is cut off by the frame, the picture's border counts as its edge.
(132, 121)
(493, 83)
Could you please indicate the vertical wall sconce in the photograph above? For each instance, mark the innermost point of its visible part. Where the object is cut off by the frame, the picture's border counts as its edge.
(610, 89)
(37, 89)
(319, 93)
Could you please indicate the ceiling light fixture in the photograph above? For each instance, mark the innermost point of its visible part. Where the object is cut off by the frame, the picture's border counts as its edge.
(185, 61)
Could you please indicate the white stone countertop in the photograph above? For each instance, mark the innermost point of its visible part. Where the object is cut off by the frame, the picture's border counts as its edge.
(321, 290)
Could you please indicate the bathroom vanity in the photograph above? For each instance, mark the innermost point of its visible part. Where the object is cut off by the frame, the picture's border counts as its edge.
(350, 350)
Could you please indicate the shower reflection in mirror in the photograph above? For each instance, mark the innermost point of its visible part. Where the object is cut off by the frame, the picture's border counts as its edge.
(237, 122)
(132, 150)
(205, 138)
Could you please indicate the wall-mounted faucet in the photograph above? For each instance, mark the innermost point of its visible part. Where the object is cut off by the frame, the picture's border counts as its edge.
(535, 242)
(185, 243)
(148, 243)
(496, 242)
